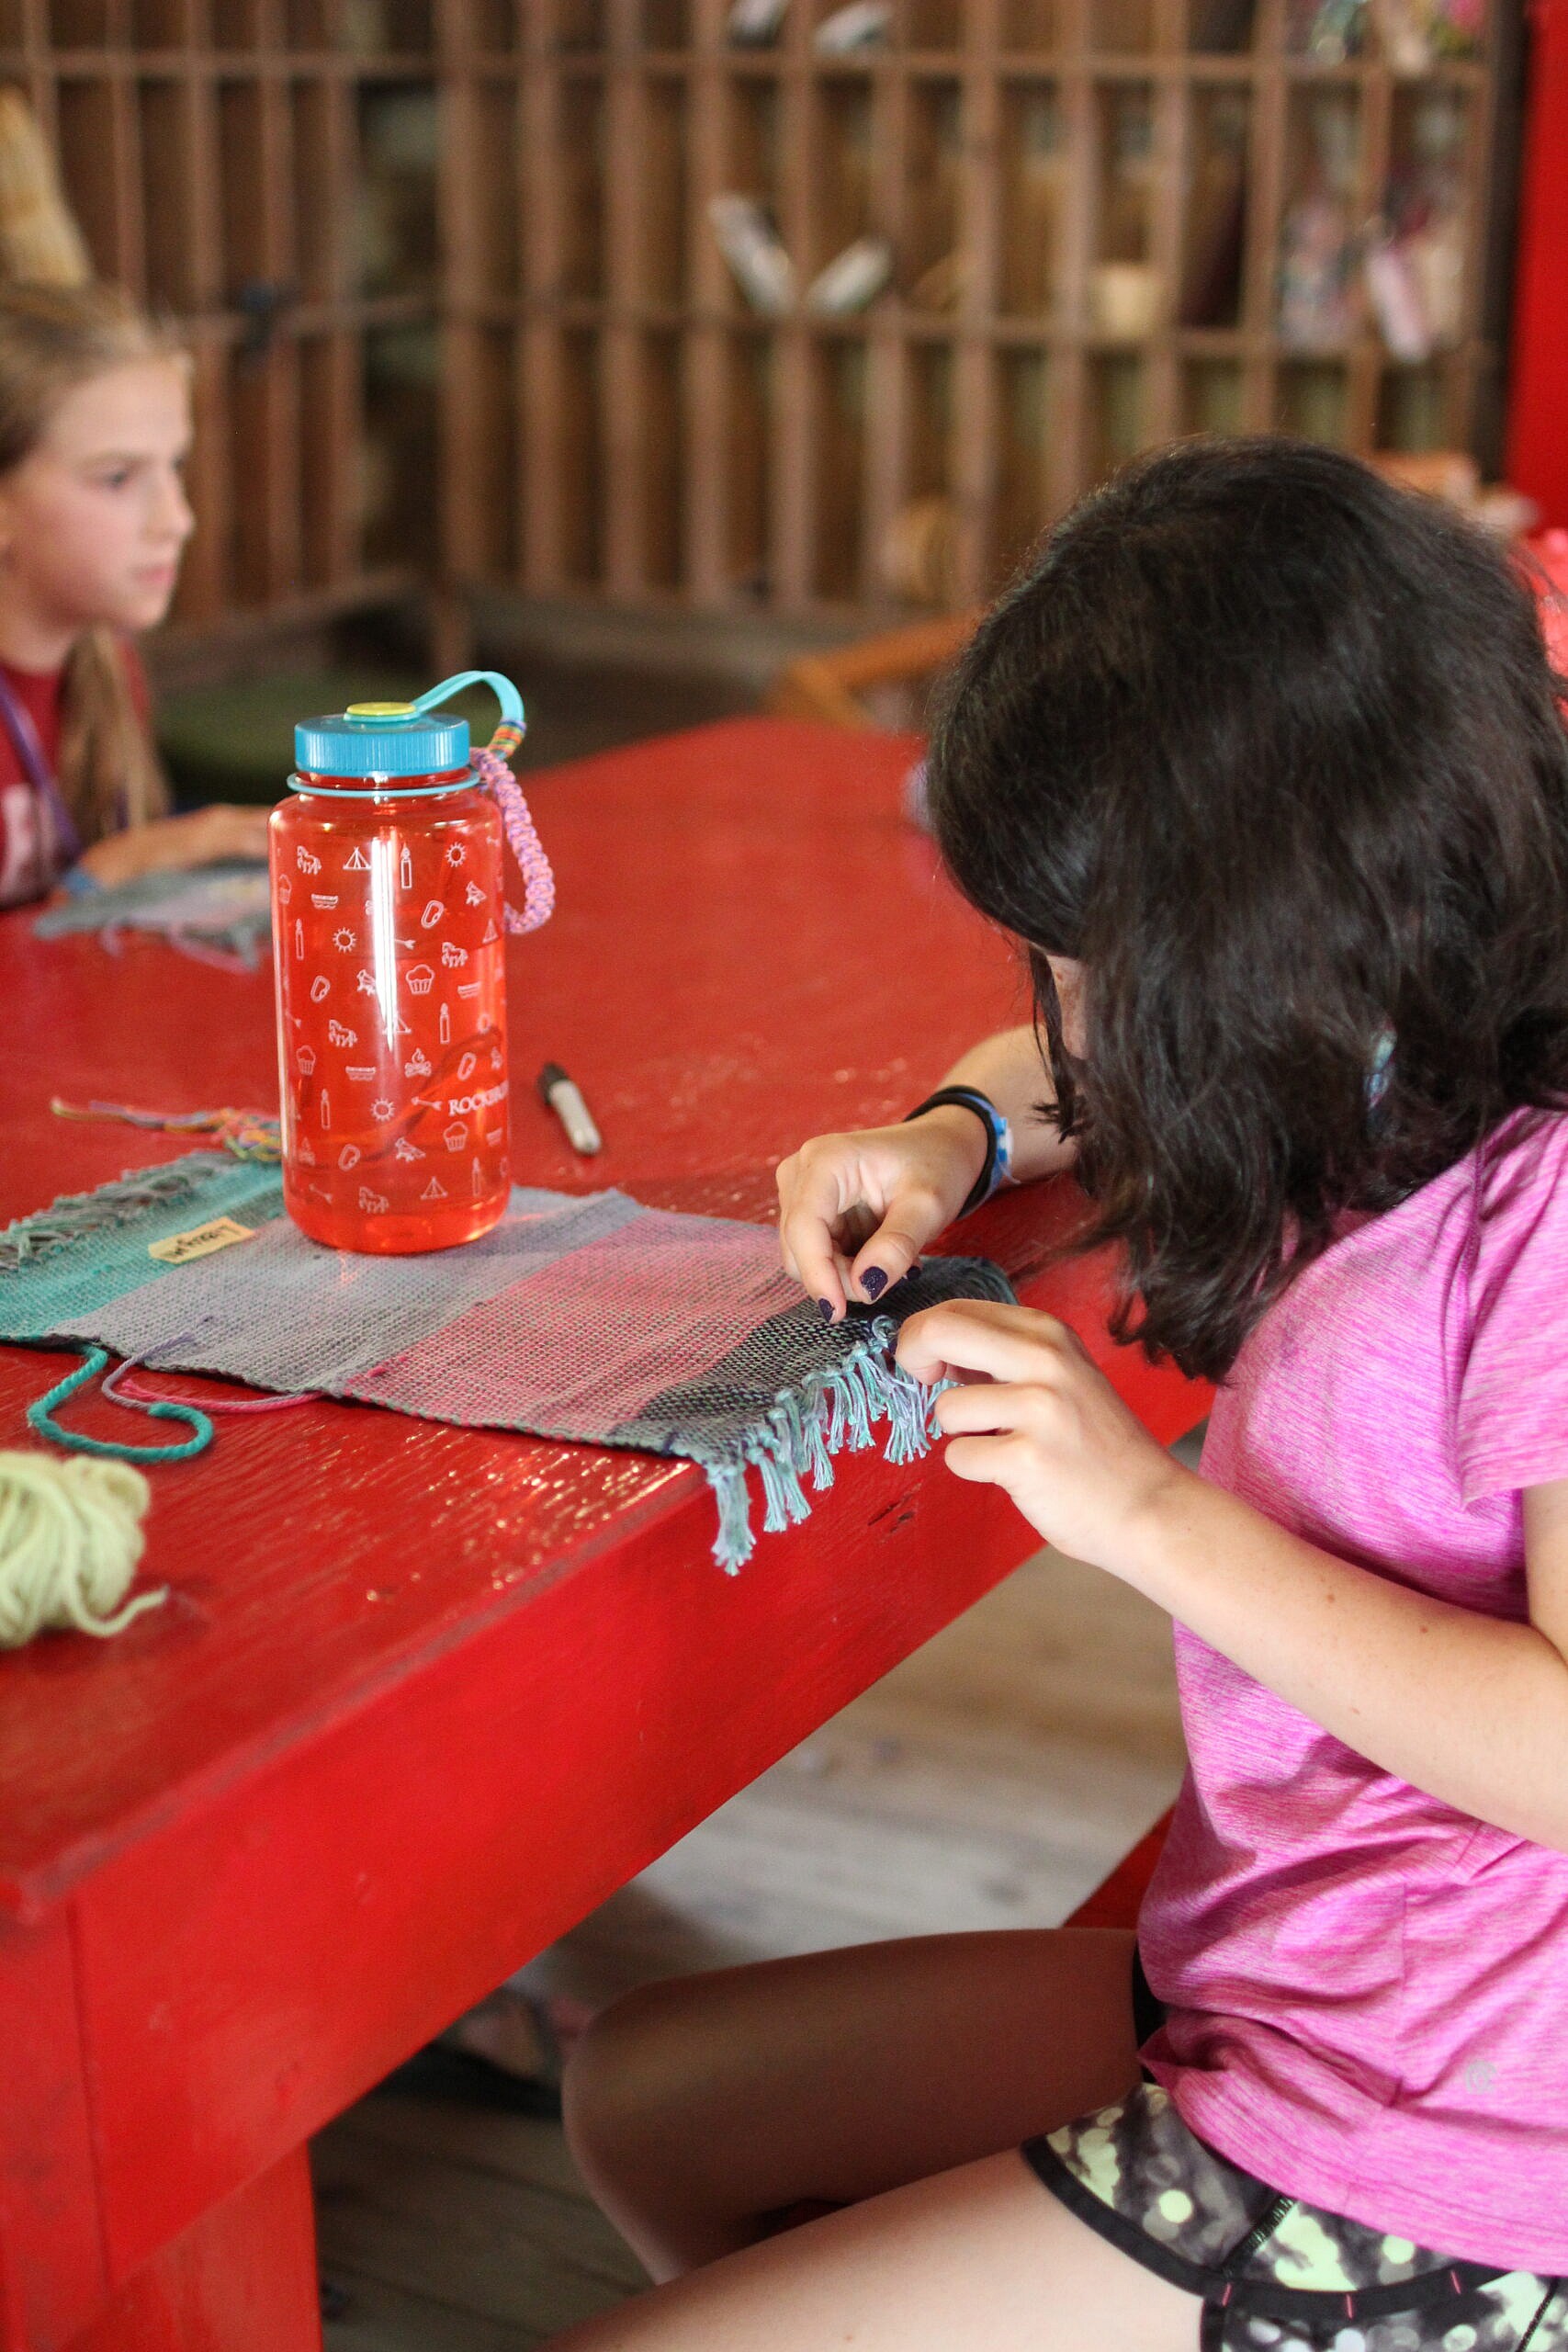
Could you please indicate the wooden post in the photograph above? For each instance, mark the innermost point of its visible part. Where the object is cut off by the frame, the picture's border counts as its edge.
(624, 420)
(1259, 305)
(886, 476)
(973, 459)
(795, 442)
(1365, 370)
(708, 412)
(544, 420)
(1069, 466)
(1168, 225)
(462, 469)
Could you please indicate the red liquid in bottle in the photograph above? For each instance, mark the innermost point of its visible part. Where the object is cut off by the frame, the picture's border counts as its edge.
(391, 963)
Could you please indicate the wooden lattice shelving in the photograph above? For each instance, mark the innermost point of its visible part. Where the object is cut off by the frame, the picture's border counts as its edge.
(622, 424)
(265, 170)
(461, 319)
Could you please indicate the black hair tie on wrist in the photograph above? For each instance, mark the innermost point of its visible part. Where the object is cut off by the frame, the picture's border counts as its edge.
(968, 1098)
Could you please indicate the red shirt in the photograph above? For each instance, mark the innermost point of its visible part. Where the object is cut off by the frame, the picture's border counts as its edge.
(31, 855)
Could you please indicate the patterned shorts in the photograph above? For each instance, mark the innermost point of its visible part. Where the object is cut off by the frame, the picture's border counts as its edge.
(1271, 2271)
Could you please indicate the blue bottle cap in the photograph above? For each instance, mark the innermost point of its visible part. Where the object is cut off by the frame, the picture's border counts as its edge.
(375, 738)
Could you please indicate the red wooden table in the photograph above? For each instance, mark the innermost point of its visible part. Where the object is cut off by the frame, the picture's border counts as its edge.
(424, 1696)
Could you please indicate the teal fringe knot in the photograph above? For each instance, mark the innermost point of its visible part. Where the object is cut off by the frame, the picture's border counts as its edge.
(80, 1216)
(804, 1431)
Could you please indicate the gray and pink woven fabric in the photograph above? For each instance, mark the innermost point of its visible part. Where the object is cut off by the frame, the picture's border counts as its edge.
(589, 1318)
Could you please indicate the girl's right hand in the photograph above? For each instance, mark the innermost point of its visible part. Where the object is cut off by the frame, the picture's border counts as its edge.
(855, 1211)
(165, 843)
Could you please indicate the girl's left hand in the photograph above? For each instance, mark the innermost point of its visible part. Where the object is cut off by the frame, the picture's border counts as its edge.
(1035, 1417)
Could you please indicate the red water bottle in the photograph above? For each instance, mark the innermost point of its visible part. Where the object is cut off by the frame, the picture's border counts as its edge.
(389, 926)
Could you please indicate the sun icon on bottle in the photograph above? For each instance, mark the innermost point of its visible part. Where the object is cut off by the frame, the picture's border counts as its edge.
(343, 939)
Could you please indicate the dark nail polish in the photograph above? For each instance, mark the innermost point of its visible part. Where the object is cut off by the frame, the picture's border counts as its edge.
(825, 1308)
(873, 1281)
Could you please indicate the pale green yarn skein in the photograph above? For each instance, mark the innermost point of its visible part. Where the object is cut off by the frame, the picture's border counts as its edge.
(70, 1541)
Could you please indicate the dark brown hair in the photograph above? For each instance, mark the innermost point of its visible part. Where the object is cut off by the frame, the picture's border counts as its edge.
(1275, 749)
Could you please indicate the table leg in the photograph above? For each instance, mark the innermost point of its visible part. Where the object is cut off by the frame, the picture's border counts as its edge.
(241, 2280)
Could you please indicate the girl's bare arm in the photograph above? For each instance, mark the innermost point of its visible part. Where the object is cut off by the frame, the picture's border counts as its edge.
(865, 1205)
(1472, 1708)
(1010, 1069)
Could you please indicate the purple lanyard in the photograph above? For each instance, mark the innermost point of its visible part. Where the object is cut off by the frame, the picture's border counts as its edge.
(18, 725)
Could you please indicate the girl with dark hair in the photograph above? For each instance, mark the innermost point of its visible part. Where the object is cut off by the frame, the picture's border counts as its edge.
(1262, 764)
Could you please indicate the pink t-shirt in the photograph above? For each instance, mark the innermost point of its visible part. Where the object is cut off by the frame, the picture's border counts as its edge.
(1368, 1991)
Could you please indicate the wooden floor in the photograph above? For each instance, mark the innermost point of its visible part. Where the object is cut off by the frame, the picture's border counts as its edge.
(989, 1782)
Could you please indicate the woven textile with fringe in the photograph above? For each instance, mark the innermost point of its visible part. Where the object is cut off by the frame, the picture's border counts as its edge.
(591, 1319)
(218, 914)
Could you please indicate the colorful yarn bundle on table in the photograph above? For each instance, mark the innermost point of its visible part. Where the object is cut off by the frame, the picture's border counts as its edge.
(246, 1135)
(71, 1538)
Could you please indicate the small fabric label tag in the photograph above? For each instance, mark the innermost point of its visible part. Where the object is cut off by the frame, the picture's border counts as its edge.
(178, 1249)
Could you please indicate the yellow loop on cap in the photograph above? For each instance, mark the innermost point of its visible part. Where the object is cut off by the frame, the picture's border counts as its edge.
(380, 711)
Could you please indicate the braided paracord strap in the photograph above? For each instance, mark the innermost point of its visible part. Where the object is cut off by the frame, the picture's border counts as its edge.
(539, 882)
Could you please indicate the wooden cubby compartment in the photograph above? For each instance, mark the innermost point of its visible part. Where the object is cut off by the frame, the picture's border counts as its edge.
(1033, 197)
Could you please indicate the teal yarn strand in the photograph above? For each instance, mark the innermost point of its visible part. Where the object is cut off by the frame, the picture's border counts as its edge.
(40, 1420)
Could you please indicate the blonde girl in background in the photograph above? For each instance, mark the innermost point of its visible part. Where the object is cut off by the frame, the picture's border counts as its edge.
(95, 427)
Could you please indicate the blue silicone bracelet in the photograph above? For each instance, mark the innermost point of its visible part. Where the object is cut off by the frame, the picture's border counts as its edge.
(997, 1169)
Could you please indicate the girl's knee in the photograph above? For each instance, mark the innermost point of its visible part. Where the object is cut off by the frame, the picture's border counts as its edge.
(628, 2078)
